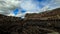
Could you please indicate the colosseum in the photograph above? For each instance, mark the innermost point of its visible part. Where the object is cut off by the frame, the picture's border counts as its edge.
(47, 22)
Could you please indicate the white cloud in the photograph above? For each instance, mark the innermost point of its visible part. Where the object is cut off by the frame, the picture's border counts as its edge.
(55, 4)
(6, 6)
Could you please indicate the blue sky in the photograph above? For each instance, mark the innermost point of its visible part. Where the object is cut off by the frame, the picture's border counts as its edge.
(19, 8)
(16, 11)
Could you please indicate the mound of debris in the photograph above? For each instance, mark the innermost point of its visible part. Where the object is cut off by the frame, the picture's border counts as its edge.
(42, 23)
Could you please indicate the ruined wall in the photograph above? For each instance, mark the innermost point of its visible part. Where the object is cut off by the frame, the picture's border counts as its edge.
(53, 14)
